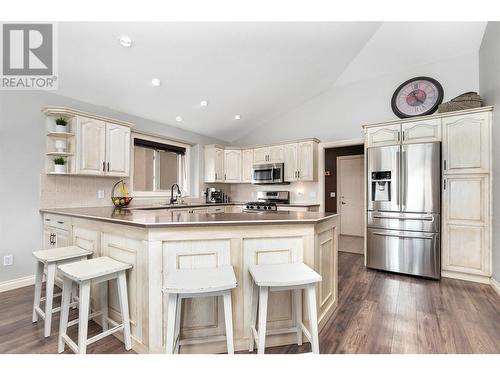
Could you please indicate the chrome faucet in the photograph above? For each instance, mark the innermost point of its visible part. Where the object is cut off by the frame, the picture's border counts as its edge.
(172, 199)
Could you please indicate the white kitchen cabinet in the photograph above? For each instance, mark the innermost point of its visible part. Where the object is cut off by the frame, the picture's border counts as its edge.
(117, 150)
(103, 149)
(276, 154)
(290, 156)
(261, 155)
(56, 231)
(246, 165)
(232, 165)
(422, 131)
(383, 135)
(91, 146)
(270, 154)
(466, 221)
(466, 143)
(306, 161)
(214, 164)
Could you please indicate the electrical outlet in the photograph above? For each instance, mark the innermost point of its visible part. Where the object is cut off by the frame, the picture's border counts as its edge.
(312, 194)
(8, 260)
(100, 194)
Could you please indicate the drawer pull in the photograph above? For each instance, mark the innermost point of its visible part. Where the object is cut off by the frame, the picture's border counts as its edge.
(60, 222)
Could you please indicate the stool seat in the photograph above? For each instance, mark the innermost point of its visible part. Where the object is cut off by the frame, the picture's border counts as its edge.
(283, 275)
(60, 253)
(202, 280)
(92, 268)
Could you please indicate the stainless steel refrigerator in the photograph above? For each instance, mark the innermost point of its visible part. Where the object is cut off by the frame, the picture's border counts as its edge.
(404, 206)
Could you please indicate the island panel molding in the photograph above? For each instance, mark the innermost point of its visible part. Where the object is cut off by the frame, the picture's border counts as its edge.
(154, 250)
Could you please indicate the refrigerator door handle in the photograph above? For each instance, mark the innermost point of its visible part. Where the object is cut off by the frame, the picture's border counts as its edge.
(425, 218)
(402, 236)
(398, 166)
(404, 172)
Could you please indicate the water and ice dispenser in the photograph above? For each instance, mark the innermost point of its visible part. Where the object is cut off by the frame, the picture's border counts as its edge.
(381, 186)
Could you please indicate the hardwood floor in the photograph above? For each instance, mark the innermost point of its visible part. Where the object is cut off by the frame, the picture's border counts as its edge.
(378, 313)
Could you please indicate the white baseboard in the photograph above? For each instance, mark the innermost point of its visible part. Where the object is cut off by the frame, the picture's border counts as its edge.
(17, 283)
(495, 285)
(465, 276)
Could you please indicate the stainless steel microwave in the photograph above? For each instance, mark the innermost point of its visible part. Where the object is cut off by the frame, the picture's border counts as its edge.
(268, 174)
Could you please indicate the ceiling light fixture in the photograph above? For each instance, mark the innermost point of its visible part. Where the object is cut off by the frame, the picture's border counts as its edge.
(156, 82)
(237, 117)
(126, 41)
(204, 103)
(178, 119)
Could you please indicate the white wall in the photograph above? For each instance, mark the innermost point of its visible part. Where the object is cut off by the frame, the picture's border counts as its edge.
(489, 83)
(22, 149)
(339, 113)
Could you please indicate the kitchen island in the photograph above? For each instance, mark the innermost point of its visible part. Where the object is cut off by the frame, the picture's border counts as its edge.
(157, 241)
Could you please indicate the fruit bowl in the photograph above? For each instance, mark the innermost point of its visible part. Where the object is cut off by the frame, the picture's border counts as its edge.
(121, 201)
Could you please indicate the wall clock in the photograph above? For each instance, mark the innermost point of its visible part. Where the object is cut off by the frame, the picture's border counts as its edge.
(418, 96)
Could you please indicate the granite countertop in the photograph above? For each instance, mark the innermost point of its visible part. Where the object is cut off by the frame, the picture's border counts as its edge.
(194, 205)
(167, 218)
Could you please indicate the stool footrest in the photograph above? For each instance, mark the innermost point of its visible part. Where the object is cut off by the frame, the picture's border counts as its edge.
(108, 332)
(92, 315)
(202, 340)
(69, 342)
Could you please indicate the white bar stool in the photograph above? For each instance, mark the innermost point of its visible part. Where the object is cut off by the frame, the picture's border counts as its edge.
(288, 276)
(97, 270)
(192, 283)
(51, 258)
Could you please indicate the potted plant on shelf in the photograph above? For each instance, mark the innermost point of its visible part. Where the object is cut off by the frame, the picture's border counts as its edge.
(61, 123)
(59, 165)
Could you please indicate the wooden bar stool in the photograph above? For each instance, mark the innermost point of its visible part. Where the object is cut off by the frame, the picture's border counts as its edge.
(83, 273)
(51, 258)
(193, 283)
(288, 276)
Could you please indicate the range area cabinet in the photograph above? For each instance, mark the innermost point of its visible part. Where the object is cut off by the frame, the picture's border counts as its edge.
(466, 171)
(231, 165)
(95, 145)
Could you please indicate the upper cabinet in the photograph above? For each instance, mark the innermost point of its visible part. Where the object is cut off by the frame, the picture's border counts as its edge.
(466, 145)
(421, 131)
(299, 158)
(271, 154)
(232, 165)
(383, 135)
(214, 164)
(90, 145)
(246, 165)
(103, 149)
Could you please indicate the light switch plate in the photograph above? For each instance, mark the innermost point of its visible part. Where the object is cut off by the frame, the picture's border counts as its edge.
(8, 260)
(312, 194)
(100, 194)
(332, 194)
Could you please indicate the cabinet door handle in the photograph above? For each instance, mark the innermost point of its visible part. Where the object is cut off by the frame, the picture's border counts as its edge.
(444, 166)
(108, 166)
(444, 184)
(298, 174)
(404, 135)
(216, 175)
(225, 176)
(104, 166)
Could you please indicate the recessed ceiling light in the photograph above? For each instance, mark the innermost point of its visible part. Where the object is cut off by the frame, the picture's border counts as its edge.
(156, 82)
(204, 103)
(126, 41)
(237, 117)
(178, 119)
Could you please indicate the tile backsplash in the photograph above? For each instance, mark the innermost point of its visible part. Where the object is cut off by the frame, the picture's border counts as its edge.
(300, 192)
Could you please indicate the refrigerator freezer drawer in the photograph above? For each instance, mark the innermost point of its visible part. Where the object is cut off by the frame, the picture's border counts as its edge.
(414, 253)
(404, 221)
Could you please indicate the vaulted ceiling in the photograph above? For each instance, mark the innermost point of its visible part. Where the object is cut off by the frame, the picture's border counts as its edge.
(256, 70)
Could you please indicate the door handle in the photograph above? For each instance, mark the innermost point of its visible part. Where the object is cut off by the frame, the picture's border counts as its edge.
(342, 203)
(426, 218)
(402, 236)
